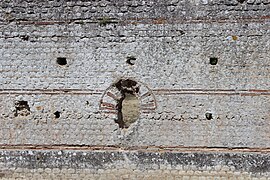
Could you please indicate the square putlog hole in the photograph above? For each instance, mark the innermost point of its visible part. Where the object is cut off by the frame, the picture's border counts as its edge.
(61, 61)
(213, 60)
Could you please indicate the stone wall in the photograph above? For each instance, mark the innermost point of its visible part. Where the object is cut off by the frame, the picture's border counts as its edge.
(200, 72)
(111, 164)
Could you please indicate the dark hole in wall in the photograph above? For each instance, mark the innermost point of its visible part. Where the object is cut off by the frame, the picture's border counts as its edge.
(209, 116)
(128, 104)
(241, 1)
(245, 26)
(131, 60)
(61, 61)
(40, 157)
(22, 108)
(213, 60)
(24, 37)
(57, 114)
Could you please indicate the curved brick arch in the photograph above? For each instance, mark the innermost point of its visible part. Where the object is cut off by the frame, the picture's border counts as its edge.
(111, 96)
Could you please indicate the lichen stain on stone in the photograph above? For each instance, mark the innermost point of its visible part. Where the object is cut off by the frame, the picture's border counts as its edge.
(39, 108)
(234, 38)
(130, 109)
(159, 21)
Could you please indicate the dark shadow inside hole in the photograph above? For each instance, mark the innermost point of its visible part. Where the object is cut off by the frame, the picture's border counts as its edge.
(24, 37)
(61, 61)
(22, 108)
(131, 60)
(241, 1)
(213, 60)
(209, 116)
(57, 114)
(128, 104)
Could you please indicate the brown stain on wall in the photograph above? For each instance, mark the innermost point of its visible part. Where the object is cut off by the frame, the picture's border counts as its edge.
(159, 21)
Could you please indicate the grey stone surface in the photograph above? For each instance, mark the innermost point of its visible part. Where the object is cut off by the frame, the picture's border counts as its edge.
(191, 103)
(172, 52)
(32, 159)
